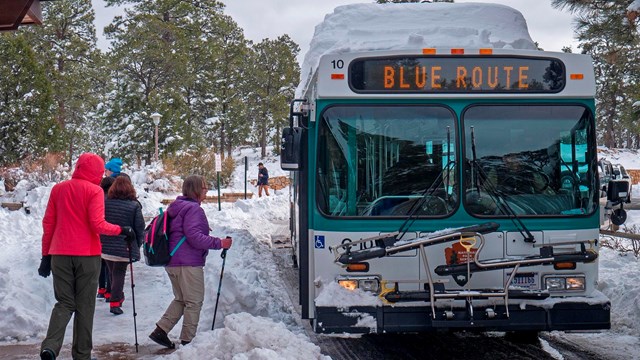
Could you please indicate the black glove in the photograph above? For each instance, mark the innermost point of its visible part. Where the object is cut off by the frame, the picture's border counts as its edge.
(45, 266)
(129, 234)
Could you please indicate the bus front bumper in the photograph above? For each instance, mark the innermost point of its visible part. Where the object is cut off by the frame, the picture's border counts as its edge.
(387, 319)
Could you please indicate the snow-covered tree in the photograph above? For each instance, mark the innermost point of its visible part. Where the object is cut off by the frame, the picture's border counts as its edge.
(26, 121)
(609, 33)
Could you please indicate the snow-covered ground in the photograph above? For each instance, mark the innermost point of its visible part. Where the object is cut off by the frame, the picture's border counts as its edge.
(254, 320)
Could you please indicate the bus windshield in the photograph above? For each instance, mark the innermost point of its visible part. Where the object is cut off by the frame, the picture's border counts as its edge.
(385, 160)
(536, 159)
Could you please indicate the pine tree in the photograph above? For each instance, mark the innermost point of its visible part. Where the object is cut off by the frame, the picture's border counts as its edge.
(184, 60)
(26, 122)
(274, 75)
(68, 39)
(607, 33)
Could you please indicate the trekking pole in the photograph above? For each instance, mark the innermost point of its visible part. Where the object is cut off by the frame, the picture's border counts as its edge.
(223, 255)
(133, 296)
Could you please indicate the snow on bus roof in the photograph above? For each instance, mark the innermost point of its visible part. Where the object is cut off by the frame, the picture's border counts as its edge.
(371, 27)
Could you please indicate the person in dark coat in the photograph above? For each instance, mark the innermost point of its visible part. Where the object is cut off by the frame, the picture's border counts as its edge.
(121, 208)
(263, 180)
(104, 282)
(186, 267)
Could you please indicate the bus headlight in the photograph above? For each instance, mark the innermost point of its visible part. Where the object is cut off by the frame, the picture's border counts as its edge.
(575, 283)
(371, 285)
(564, 283)
(348, 284)
(364, 283)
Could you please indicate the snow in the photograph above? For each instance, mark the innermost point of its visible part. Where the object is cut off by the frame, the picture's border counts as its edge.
(252, 298)
(244, 337)
(356, 27)
(634, 6)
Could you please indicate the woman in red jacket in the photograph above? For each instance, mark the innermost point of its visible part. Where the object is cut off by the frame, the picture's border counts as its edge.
(71, 251)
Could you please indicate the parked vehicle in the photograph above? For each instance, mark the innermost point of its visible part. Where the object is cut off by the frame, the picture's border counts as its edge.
(619, 173)
(605, 173)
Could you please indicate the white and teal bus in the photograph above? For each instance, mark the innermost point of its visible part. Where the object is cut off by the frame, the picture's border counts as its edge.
(447, 188)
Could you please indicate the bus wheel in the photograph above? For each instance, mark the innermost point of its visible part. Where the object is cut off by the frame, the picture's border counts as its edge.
(522, 337)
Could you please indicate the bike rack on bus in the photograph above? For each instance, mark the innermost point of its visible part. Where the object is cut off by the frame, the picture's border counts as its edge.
(386, 245)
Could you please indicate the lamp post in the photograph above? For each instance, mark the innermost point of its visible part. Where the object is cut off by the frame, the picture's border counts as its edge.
(156, 120)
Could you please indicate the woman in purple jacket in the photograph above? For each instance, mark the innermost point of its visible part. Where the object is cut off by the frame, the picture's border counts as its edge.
(186, 267)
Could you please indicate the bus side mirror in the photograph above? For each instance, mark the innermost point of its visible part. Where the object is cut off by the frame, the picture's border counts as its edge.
(617, 190)
(290, 158)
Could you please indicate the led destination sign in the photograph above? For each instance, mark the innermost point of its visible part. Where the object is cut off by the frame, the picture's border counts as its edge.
(469, 74)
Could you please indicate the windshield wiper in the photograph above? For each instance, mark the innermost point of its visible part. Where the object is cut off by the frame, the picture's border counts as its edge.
(412, 217)
(496, 195)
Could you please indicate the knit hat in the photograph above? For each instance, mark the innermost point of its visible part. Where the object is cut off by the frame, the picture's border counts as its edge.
(114, 165)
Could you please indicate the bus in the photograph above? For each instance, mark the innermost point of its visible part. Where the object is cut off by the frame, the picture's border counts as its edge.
(447, 189)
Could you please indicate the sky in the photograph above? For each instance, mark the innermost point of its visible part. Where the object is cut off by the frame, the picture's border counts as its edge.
(550, 27)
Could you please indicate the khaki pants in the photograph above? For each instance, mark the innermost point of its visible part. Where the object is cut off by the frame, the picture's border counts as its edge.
(75, 282)
(188, 293)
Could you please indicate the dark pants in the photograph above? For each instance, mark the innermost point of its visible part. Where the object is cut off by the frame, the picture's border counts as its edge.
(118, 271)
(75, 282)
(104, 282)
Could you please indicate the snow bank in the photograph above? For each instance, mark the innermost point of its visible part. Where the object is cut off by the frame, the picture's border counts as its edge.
(619, 276)
(255, 317)
(248, 337)
(365, 27)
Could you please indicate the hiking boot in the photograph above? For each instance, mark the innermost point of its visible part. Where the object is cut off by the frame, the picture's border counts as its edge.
(101, 292)
(160, 337)
(107, 297)
(183, 342)
(116, 310)
(47, 354)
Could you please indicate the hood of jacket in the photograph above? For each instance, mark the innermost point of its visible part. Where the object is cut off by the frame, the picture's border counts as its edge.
(89, 167)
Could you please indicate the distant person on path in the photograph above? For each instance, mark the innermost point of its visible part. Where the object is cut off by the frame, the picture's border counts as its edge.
(104, 282)
(263, 180)
(121, 208)
(71, 250)
(113, 167)
(186, 267)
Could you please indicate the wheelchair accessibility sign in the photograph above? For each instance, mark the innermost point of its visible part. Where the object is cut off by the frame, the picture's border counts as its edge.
(319, 241)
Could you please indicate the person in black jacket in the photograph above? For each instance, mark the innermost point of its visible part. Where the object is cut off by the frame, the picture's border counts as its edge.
(121, 208)
(104, 282)
(263, 180)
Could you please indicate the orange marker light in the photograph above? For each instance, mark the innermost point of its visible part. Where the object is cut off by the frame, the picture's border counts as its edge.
(429, 51)
(457, 51)
(486, 51)
(564, 266)
(361, 267)
(576, 76)
(337, 76)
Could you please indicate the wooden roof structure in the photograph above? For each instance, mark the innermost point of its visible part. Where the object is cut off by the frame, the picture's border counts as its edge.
(15, 13)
